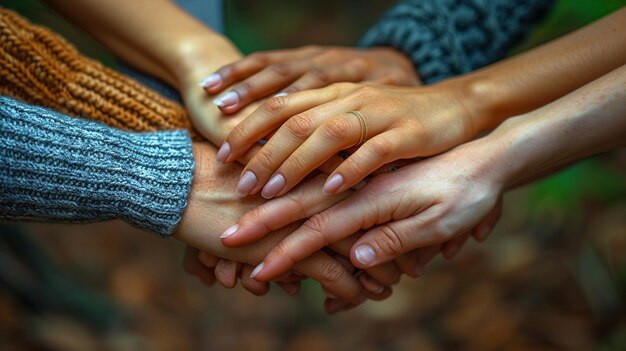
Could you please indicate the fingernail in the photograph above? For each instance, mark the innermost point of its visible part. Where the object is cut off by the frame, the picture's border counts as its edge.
(333, 183)
(282, 93)
(371, 285)
(228, 99)
(230, 231)
(365, 254)
(246, 184)
(223, 152)
(257, 270)
(273, 187)
(419, 270)
(211, 80)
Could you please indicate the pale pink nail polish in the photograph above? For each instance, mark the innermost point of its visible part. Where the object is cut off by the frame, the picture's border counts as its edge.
(229, 99)
(365, 254)
(257, 270)
(333, 183)
(246, 183)
(273, 187)
(211, 80)
(223, 153)
(230, 231)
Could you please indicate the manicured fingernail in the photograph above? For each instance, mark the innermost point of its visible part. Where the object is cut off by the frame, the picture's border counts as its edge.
(230, 231)
(211, 80)
(333, 183)
(282, 93)
(453, 251)
(257, 270)
(273, 187)
(228, 99)
(223, 153)
(371, 285)
(419, 270)
(246, 184)
(365, 254)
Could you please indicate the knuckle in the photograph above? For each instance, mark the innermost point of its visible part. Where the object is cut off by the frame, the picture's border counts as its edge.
(366, 92)
(337, 129)
(275, 104)
(281, 69)
(315, 224)
(320, 75)
(263, 162)
(389, 242)
(380, 147)
(300, 126)
(332, 273)
(259, 57)
(238, 134)
(296, 163)
(358, 62)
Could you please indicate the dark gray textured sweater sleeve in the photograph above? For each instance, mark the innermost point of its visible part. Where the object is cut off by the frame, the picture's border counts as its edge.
(445, 38)
(62, 169)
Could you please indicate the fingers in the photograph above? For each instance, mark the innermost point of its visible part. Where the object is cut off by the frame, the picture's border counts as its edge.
(229, 74)
(192, 265)
(376, 152)
(390, 240)
(323, 76)
(452, 247)
(255, 287)
(226, 273)
(269, 80)
(485, 227)
(333, 277)
(303, 202)
(384, 275)
(270, 116)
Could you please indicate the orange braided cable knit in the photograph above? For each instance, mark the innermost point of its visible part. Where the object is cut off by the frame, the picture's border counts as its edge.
(40, 67)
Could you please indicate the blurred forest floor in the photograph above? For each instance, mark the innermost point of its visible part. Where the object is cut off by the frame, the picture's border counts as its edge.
(551, 277)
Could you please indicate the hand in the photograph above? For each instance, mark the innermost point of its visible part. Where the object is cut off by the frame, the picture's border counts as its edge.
(212, 205)
(397, 123)
(288, 71)
(304, 202)
(431, 202)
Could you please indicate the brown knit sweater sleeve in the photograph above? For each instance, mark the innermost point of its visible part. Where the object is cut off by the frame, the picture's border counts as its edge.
(40, 67)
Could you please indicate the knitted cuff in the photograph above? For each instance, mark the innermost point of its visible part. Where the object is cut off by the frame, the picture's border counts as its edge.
(60, 169)
(40, 67)
(445, 38)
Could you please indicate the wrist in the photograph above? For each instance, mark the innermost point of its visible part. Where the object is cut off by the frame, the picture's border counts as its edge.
(199, 55)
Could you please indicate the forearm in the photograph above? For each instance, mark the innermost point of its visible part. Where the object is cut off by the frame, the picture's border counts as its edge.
(586, 122)
(61, 169)
(154, 35)
(533, 79)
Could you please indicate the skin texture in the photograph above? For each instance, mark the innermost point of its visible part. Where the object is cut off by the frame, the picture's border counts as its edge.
(441, 198)
(289, 71)
(183, 53)
(414, 121)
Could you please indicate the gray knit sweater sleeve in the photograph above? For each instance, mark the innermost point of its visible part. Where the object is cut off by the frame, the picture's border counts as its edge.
(445, 38)
(62, 169)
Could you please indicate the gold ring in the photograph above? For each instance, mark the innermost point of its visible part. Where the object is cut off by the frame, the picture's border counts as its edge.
(361, 119)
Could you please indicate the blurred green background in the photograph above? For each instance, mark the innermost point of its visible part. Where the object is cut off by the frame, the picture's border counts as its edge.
(551, 277)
